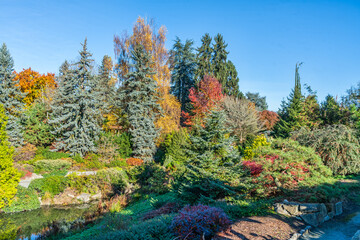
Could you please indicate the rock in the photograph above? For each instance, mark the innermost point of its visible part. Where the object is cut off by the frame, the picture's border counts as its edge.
(70, 195)
(84, 197)
(338, 208)
(296, 236)
(311, 219)
(327, 218)
(331, 214)
(322, 213)
(278, 207)
(309, 207)
(292, 209)
(356, 236)
(96, 196)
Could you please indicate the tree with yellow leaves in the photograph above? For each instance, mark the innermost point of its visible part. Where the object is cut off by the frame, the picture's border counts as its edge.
(152, 41)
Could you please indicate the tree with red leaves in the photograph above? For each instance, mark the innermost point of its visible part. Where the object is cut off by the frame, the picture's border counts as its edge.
(269, 119)
(204, 98)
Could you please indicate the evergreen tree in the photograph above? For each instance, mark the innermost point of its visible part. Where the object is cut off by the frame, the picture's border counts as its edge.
(105, 85)
(183, 73)
(138, 96)
(331, 112)
(75, 109)
(211, 165)
(292, 115)
(260, 102)
(219, 61)
(231, 87)
(204, 58)
(10, 97)
(9, 177)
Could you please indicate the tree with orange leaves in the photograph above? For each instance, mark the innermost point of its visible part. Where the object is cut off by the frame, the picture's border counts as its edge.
(204, 98)
(268, 118)
(145, 34)
(33, 84)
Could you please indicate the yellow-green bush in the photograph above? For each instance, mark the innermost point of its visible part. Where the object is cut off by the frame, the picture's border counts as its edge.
(258, 142)
(9, 176)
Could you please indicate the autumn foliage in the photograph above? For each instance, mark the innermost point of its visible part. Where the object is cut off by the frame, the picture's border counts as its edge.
(203, 99)
(269, 119)
(33, 84)
(153, 42)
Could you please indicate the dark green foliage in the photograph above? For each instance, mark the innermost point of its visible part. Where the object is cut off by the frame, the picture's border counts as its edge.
(75, 111)
(183, 71)
(52, 184)
(37, 130)
(25, 199)
(123, 142)
(10, 97)
(231, 87)
(338, 146)
(45, 153)
(138, 97)
(212, 171)
(117, 177)
(219, 61)
(331, 112)
(204, 58)
(151, 177)
(260, 102)
(352, 97)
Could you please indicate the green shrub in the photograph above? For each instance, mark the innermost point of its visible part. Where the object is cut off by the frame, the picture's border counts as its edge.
(83, 184)
(25, 199)
(8, 230)
(338, 146)
(51, 165)
(174, 148)
(52, 184)
(117, 163)
(151, 177)
(115, 176)
(45, 153)
(112, 146)
(286, 165)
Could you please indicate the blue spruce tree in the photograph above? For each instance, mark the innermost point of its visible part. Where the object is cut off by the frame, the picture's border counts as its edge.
(75, 109)
(138, 98)
(10, 97)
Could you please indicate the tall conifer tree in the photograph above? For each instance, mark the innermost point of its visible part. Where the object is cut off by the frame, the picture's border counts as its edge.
(231, 87)
(292, 115)
(219, 60)
(75, 109)
(138, 96)
(183, 73)
(204, 58)
(10, 97)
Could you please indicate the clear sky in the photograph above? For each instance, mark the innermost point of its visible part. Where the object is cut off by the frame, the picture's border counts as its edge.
(265, 38)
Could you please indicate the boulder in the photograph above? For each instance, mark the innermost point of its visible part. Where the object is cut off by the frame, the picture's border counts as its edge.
(96, 196)
(311, 219)
(356, 236)
(84, 197)
(338, 208)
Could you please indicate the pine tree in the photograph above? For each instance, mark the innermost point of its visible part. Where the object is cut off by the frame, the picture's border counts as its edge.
(182, 77)
(10, 97)
(138, 96)
(9, 177)
(204, 58)
(75, 109)
(292, 115)
(219, 61)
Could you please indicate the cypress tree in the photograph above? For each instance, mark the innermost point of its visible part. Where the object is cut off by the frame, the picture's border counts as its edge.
(183, 73)
(138, 97)
(75, 109)
(10, 97)
(204, 58)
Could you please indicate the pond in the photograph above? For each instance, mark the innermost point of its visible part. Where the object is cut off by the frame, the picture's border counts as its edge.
(340, 228)
(27, 225)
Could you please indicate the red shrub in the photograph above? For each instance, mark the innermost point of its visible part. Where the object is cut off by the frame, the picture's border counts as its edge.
(255, 168)
(194, 222)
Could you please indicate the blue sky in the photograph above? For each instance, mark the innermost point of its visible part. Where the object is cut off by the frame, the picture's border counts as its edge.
(265, 38)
